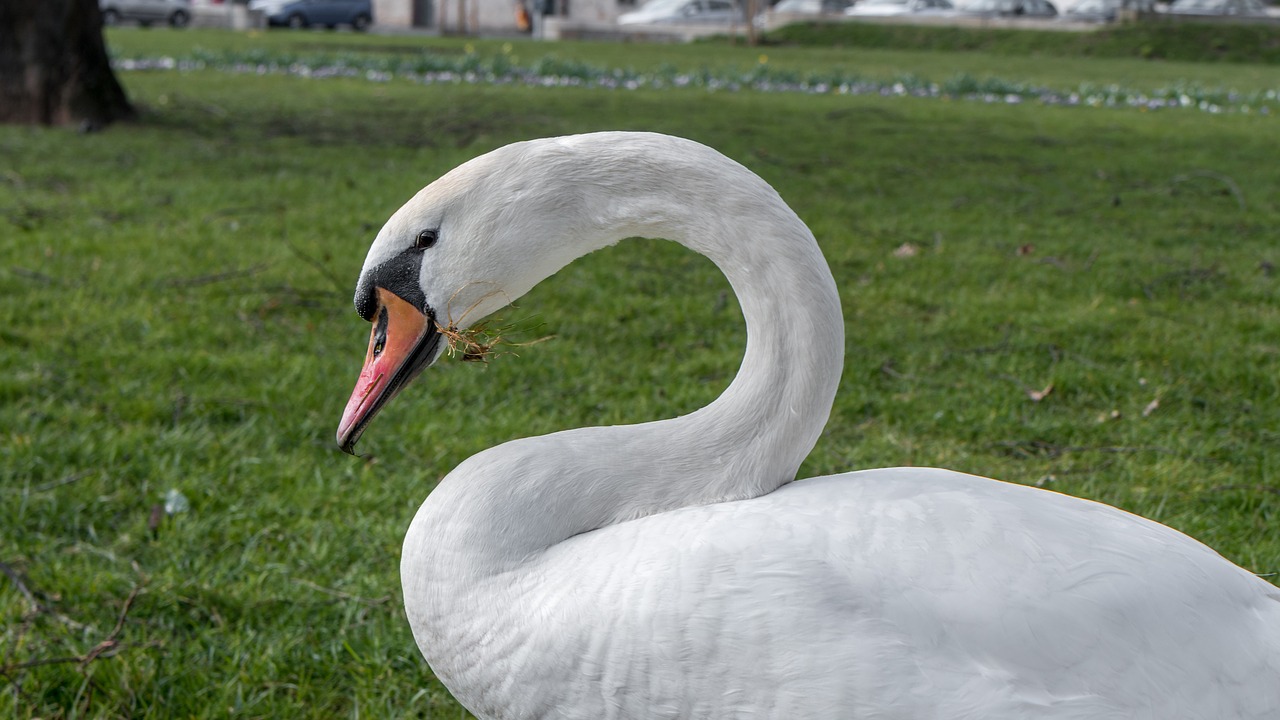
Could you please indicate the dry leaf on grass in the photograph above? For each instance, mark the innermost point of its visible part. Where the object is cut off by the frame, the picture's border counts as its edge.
(1038, 395)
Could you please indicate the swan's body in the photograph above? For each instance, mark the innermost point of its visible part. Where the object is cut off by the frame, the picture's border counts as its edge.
(668, 570)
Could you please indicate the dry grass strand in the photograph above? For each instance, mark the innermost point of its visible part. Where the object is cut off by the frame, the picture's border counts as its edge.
(477, 343)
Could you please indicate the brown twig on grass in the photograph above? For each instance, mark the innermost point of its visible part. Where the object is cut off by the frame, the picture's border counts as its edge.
(1040, 448)
(371, 602)
(888, 369)
(108, 647)
(73, 477)
(1230, 184)
(338, 284)
(32, 275)
(211, 278)
(112, 641)
(37, 605)
(1183, 280)
(1067, 265)
(19, 582)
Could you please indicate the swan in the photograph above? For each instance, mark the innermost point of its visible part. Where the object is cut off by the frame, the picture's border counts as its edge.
(672, 569)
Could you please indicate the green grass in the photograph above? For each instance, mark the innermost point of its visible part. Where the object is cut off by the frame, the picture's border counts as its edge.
(884, 62)
(175, 315)
(1256, 43)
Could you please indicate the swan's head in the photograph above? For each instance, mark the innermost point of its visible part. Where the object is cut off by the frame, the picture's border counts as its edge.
(466, 245)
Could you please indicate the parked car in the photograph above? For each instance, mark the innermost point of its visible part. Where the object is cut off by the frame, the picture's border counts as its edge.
(1246, 8)
(811, 7)
(1008, 8)
(1093, 11)
(691, 12)
(329, 13)
(795, 10)
(1105, 10)
(176, 13)
(267, 7)
(890, 8)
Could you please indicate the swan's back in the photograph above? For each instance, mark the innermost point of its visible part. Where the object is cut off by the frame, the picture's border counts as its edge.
(936, 594)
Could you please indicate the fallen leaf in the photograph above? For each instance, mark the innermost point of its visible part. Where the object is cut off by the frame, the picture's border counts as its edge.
(1038, 395)
(906, 250)
(1151, 407)
(1025, 250)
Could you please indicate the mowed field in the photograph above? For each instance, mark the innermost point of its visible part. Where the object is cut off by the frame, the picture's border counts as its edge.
(1081, 298)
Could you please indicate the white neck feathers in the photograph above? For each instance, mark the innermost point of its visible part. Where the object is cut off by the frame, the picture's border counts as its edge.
(508, 503)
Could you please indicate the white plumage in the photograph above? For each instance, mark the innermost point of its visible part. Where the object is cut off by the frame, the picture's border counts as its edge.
(672, 570)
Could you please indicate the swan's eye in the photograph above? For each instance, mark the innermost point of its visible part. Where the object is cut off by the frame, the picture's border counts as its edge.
(425, 239)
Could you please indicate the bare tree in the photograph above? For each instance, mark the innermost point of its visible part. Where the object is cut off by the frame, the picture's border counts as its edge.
(54, 68)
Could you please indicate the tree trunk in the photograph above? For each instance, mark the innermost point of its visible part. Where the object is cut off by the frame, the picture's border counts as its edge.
(54, 68)
(752, 8)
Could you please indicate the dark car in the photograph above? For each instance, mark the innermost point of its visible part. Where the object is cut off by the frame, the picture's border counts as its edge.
(174, 12)
(329, 13)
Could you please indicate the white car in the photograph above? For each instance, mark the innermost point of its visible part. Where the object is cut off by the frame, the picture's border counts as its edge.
(793, 10)
(685, 12)
(1255, 8)
(176, 13)
(267, 7)
(1008, 8)
(890, 8)
(811, 7)
(1105, 10)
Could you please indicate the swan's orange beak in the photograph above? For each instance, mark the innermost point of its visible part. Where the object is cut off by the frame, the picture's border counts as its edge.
(404, 341)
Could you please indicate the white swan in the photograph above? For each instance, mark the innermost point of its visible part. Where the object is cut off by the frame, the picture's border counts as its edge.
(671, 570)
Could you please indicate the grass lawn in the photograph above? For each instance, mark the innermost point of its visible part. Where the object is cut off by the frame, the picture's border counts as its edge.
(1208, 42)
(176, 323)
(1061, 73)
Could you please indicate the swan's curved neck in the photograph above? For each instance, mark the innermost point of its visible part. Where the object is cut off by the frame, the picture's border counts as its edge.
(507, 504)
